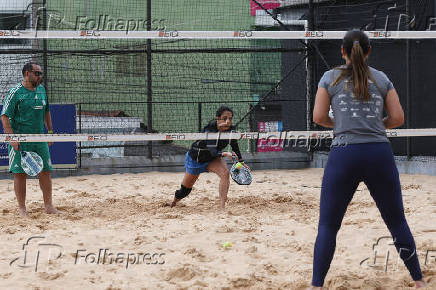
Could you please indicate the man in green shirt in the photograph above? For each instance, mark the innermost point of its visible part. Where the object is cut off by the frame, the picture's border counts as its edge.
(26, 111)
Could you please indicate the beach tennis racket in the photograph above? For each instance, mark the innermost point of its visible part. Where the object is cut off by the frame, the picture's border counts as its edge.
(31, 163)
(240, 174)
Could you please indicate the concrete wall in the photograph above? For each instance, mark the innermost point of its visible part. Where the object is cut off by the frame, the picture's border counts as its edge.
(425, 165)
(256, 161)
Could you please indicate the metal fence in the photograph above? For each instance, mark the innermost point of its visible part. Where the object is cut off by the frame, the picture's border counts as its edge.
(131, 118)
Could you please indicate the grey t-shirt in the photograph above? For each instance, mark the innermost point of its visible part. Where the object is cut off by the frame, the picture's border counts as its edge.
(357, 121)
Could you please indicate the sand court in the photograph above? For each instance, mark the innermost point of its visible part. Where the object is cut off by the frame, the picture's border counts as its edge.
(118, 232)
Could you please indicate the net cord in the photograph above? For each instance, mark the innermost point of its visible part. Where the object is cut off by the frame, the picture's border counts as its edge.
(285, 135)
(246, 34)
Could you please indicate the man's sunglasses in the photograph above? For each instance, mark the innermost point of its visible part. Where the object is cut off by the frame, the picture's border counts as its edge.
(37, 73)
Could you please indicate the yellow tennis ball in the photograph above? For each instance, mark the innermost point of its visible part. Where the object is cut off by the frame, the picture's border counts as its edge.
(227, 245)
(238, 165)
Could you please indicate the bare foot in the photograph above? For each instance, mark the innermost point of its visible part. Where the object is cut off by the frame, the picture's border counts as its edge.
(175, 201)
(420, 284)
(51, 210)
(223, 204)
(23, 212)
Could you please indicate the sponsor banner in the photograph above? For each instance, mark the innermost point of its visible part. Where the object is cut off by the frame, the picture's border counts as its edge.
(168, 34)
(243, 34)
(63, 154)
(267, 4)
(97, 138)
(90, 33)
(273, 142)
(10, 34)
(379, 34)
(314, 34)
(15, 138)
(175, 136)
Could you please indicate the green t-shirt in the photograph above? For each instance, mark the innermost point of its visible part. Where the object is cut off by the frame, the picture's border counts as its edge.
(26, 109)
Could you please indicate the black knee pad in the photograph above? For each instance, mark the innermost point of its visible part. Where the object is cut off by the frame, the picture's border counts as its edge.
(182, 192)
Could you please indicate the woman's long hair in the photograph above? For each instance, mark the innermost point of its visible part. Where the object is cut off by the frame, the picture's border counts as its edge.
(356, 45)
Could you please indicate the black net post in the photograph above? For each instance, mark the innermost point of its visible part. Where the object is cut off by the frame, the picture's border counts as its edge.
(149, 83)
(44, 46)
(408, 87)
(251, 143)
(310, 72)
(199, 116)
(80, 132)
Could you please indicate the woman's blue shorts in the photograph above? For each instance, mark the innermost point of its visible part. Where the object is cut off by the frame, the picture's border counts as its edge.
(193, 167)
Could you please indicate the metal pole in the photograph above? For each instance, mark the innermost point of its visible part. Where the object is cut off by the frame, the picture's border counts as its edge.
(80, 132)
(44, 46)
(311, 17)
(251, 143)
(408, 88)
(149, 83)
(309, 65)
(199, 116)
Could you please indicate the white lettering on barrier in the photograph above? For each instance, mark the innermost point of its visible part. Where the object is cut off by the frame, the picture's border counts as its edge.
(253, 135)
(243, 34)
(380, 34)
(168, 34)
(14, 138)
(97, 138)
(314, 34)
(89, 33)
(175, 137)
(9, 33)
(391, 133)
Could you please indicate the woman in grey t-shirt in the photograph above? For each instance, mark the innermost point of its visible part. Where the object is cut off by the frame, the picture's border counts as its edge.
(360, 151)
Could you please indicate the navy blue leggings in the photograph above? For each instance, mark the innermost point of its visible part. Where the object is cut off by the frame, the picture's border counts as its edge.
(372, 163)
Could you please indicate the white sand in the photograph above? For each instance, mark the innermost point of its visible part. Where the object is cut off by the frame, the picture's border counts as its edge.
(271, 224)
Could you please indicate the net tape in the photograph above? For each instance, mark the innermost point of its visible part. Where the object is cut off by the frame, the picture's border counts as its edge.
(428, 132)
(174, 34)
